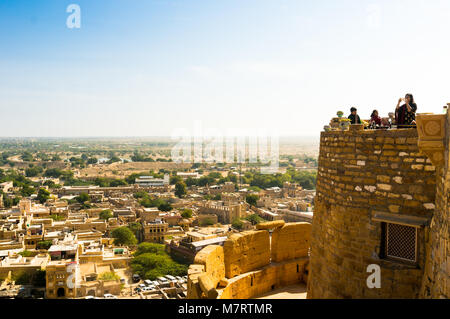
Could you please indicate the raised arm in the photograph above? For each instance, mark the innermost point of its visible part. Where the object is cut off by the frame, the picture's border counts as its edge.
(398, 104)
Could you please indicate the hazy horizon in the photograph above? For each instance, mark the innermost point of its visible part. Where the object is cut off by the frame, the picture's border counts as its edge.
(283, 137)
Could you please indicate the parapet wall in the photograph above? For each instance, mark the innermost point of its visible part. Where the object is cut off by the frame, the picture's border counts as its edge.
(250, 263)
(364, 177)
(286, 244)
(246, 251)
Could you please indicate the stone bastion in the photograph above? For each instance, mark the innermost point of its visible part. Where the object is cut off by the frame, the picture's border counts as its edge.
(252, 263)
(382, 199)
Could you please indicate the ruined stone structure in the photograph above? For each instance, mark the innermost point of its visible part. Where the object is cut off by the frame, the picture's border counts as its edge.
(382, 198)
(250, 263)
(226, 213)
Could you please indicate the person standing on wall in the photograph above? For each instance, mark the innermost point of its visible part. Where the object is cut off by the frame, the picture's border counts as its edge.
(354, 117)
(405, 115)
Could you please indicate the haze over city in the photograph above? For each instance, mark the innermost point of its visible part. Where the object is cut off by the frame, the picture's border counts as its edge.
(144, 68)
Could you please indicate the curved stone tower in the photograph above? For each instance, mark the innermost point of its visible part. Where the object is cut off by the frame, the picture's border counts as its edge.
(377, 204)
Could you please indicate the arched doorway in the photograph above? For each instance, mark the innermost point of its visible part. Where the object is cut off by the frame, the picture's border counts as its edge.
(91, 293)
(61, 292)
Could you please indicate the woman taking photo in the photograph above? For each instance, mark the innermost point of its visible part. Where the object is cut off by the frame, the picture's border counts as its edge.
(405, 115)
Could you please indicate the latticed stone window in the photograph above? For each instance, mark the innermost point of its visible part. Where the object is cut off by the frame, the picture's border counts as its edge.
(401, 242)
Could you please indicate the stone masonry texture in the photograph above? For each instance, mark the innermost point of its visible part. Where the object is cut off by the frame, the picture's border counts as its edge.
(362, 174)
(244, 268)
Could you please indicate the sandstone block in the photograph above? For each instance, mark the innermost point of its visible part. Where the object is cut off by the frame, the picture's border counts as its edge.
(291, 241)
(246, 251)
(207, 286)
(270, 225)
(212, 259)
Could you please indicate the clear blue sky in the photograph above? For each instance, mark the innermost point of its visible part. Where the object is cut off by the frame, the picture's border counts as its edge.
(144, 68)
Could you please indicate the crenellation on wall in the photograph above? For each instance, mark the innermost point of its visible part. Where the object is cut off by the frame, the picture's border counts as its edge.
(285, 244)
(246, 251)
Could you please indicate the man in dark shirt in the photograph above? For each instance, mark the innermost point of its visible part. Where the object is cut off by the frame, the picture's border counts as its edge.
(354, 118)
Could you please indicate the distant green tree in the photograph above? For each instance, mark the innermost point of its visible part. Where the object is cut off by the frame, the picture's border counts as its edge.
(33, 171)
(109, 182)
(113, 159)
(57, 173)
(109, 276)
(26, 157)
(117, 182)
(131, 179)
(238, 224)
(105, 214)
(26, 253)
(180, 189)
(82, 198)
(252, 199)
(77, 161)
(165, 207)
(50, 184)
(140, 158)
(191, 182)
(44, 244)
(140, 194)
(43, 195)
(186, 213)
(124, 236)
(27, 190)
(215, 175)
(151, 261)
(92, 160)
(175, 179)
(255, 219)
(205, 180)
(153, 248)
(7, 201)
(43, 157)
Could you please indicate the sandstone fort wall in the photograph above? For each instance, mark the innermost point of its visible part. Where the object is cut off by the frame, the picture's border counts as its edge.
(364, 177)
(251, 263)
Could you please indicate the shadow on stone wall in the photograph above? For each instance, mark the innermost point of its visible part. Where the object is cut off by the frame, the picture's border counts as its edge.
(251, 263)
